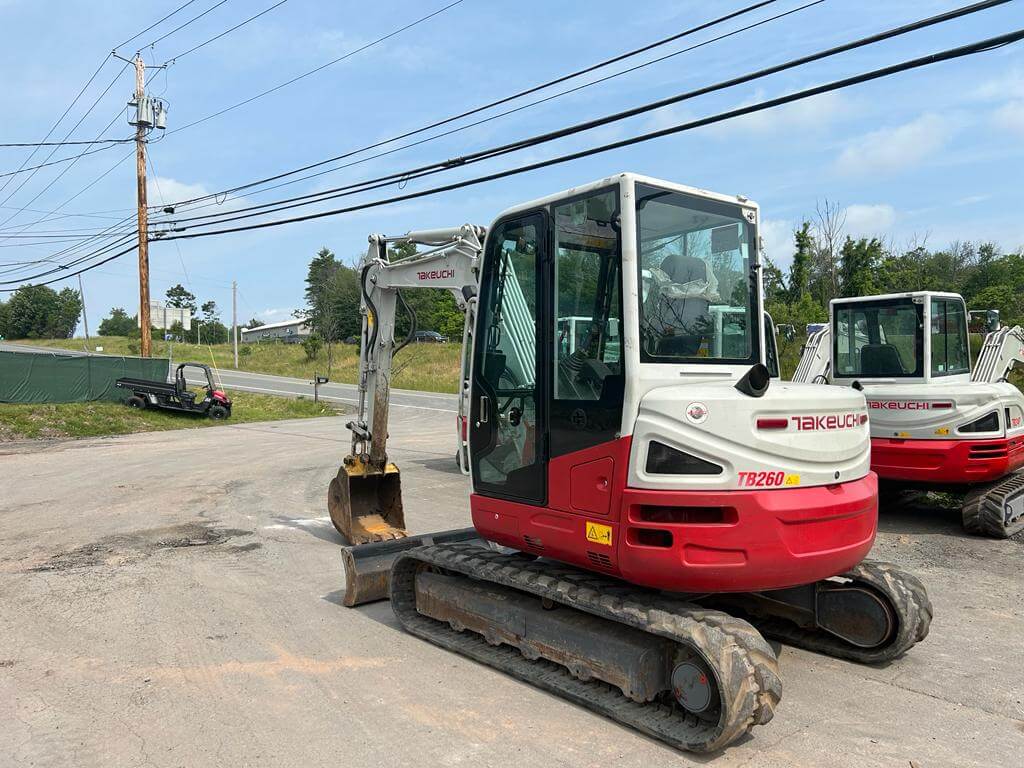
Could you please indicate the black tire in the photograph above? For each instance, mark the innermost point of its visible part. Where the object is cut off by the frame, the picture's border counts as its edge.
(136, 402)
(218, 412)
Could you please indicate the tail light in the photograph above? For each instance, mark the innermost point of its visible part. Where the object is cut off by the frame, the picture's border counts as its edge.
(772, 423)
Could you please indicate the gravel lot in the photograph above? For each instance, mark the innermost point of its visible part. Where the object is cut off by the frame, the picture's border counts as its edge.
(173, 599)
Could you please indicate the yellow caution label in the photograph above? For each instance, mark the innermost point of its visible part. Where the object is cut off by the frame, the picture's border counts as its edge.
(902, 434)
(599, 534)
(942, 431)
(791, 480)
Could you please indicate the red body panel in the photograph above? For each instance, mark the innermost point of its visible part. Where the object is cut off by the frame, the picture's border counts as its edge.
(686, 541)
(946, 462)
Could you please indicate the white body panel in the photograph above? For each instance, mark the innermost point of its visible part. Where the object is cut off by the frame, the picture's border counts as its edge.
(909, 410)
(728, 435)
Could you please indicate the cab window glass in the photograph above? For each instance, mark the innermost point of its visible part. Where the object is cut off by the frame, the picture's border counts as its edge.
(878, 340)
(949, 338)
(588, 311)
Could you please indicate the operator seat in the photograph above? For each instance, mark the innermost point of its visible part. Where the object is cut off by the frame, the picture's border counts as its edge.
(880, 360)
(689, 316)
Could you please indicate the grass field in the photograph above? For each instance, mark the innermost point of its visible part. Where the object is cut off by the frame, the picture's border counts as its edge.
(61, 420)
(426, 367)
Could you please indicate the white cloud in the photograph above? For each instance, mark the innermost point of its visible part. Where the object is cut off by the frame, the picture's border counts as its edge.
(869, 220)
(275, 313)
(801, 117)
(1010, 84)
(165, 191)
(1010, 116)
(778, 241)
(892, 149)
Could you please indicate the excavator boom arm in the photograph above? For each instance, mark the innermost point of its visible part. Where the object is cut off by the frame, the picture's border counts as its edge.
(452, 264)
(1002, 351)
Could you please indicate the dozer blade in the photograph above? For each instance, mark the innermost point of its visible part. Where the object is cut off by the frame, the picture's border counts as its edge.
(365, 504)
(368, 566)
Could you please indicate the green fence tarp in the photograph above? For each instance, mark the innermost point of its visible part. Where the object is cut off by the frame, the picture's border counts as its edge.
(27, 377)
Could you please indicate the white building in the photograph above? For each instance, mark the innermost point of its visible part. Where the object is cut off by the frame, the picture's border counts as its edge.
(289, 331)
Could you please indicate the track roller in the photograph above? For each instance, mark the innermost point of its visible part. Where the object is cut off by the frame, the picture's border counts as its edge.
(695, 678)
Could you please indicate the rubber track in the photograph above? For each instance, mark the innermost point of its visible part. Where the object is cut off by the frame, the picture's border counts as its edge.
(982, 510)
(744, 662)
(903, 591)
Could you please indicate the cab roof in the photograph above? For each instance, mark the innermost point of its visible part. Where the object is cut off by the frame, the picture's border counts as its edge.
(619, 178)
(890, 296)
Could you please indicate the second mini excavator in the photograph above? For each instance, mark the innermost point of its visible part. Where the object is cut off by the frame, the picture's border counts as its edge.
(936, 424)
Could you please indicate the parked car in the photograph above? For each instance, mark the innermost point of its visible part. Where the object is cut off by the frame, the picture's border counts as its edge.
(429, 337)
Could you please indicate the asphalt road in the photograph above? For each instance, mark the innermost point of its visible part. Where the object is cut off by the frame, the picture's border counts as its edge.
(290, 387)
(174, 599)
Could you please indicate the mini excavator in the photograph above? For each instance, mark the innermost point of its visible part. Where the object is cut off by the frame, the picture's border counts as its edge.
(936, 424)
(648, 503)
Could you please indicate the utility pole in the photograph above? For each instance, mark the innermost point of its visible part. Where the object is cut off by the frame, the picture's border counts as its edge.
(85, 317)
(234, 318)
(140, 173)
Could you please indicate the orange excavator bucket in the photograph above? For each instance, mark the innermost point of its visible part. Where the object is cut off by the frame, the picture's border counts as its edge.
(365, 503)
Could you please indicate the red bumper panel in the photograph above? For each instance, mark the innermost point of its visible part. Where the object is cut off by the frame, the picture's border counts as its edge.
(696, 541)
(946, 462)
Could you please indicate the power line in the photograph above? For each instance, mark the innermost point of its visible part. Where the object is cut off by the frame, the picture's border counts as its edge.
(318, 69)
(482, 121)
(979, 47)
(934, 58)
(155, 24)
(59, 119)
(86, 187)
(66, 168)
(83, 90)
(160, 194)
(226, 32)
(438, 167)
(23, 169)
(497, 102)
(182, 26)
(64, 143)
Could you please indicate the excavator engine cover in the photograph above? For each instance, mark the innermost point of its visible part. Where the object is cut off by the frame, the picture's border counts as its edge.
(365, 504)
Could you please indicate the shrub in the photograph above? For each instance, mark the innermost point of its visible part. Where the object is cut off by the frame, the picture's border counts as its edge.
(312, 346)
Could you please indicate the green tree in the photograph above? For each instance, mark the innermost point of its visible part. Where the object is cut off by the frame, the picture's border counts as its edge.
(254, 323)
(209, 310)
(800, 269)
(774, 282)
(858, 266)
(39, 312)
(118, 324)
(178, 297)
(3, 320)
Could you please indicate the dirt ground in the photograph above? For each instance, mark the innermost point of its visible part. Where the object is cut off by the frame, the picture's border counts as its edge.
(173, 599)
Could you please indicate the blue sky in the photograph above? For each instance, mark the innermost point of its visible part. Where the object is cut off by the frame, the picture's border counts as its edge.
(934, 155)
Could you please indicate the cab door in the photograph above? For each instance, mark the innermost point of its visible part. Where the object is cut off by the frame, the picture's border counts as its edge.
(507, 420)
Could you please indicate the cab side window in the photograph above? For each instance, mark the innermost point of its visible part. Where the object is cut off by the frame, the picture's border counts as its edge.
(587, 357)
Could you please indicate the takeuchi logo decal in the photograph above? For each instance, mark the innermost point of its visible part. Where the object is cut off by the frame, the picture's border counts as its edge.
(900, 405)
(435, 274)
(829, 422)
